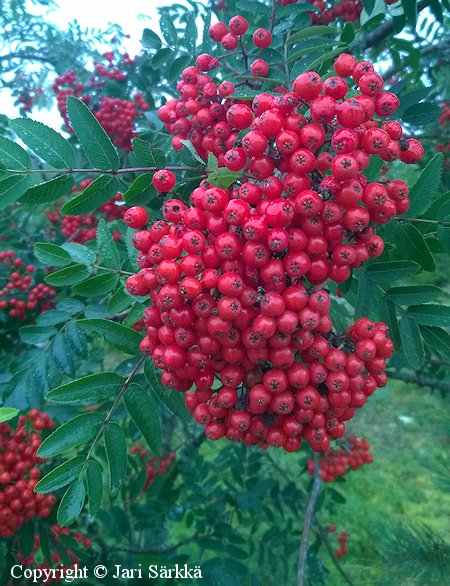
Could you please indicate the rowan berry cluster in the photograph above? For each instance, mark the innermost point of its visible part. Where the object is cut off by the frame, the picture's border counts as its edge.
(347, 10)
(234, 278)
(286, 151)
(116, 115)
(20, 472)
(231, 302)
(342, 540)
(83, 228)
(154, 466)
(18, 296)
(118, 118)
(55, 532)
(352, 455)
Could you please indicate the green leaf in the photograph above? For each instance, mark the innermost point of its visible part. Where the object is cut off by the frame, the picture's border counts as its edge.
(307, 51)
(77, 339)
(106, 246)
(135, 314)
(190, 32)
(116, 453)
(95, 194)
(12, 187)
(324, 58)
(120, 301)
(94, 141)
(364, 296)
(36, 335)
(44, 543)
(422, 114)
(8, 413)
(148, 156)
(431, 315)
(94, 486)
(177, 67)
(162, 58)
(191, 148)
(372, 172)
(118, 336)
(173, 400)
(68, 276)
(141, 190)
(348, 33)
(51, 254)
(94, 387)
(422, 192)
(53, 317)
(411, 244)
(314, 31)
(48, 144)
(223, 177)
(437, 338)
(409, 99)
(411, 342)
(62, 354)
(372, 9)
(49, 190)
(97, 285)
(410, 10)
(413, 294)
(168, 30)
(71, 503)
(388, 314)
(78, 430)
(60, 476)
(391, 271)
(80, 253)
(150, 39)
(223, 577)
(443, 233)
(145, 415)
(14, 156)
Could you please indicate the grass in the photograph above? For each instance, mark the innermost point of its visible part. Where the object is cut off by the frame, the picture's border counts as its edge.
(408, 430)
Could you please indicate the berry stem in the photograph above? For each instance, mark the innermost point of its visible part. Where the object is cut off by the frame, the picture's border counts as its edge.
(285, 62)
(272, 15)
(324, 539)
(110, 413)
(109, 171)
(303, 552)
(438, 222)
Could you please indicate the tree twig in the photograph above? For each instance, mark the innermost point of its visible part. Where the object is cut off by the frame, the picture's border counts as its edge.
(110, 413)
(387, 28)
(303, 551)
(321, 531)
(418, 379)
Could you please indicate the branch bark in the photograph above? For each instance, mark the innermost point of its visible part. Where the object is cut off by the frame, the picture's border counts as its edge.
(384, 30)
(303, 551)
(418, 379)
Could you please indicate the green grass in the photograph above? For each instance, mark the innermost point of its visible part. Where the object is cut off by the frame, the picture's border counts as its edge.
(407, 428)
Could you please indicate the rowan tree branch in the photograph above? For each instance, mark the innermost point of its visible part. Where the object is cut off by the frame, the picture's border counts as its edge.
(418, 379)
(387, 28)
(303, 551)
(322, 532)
